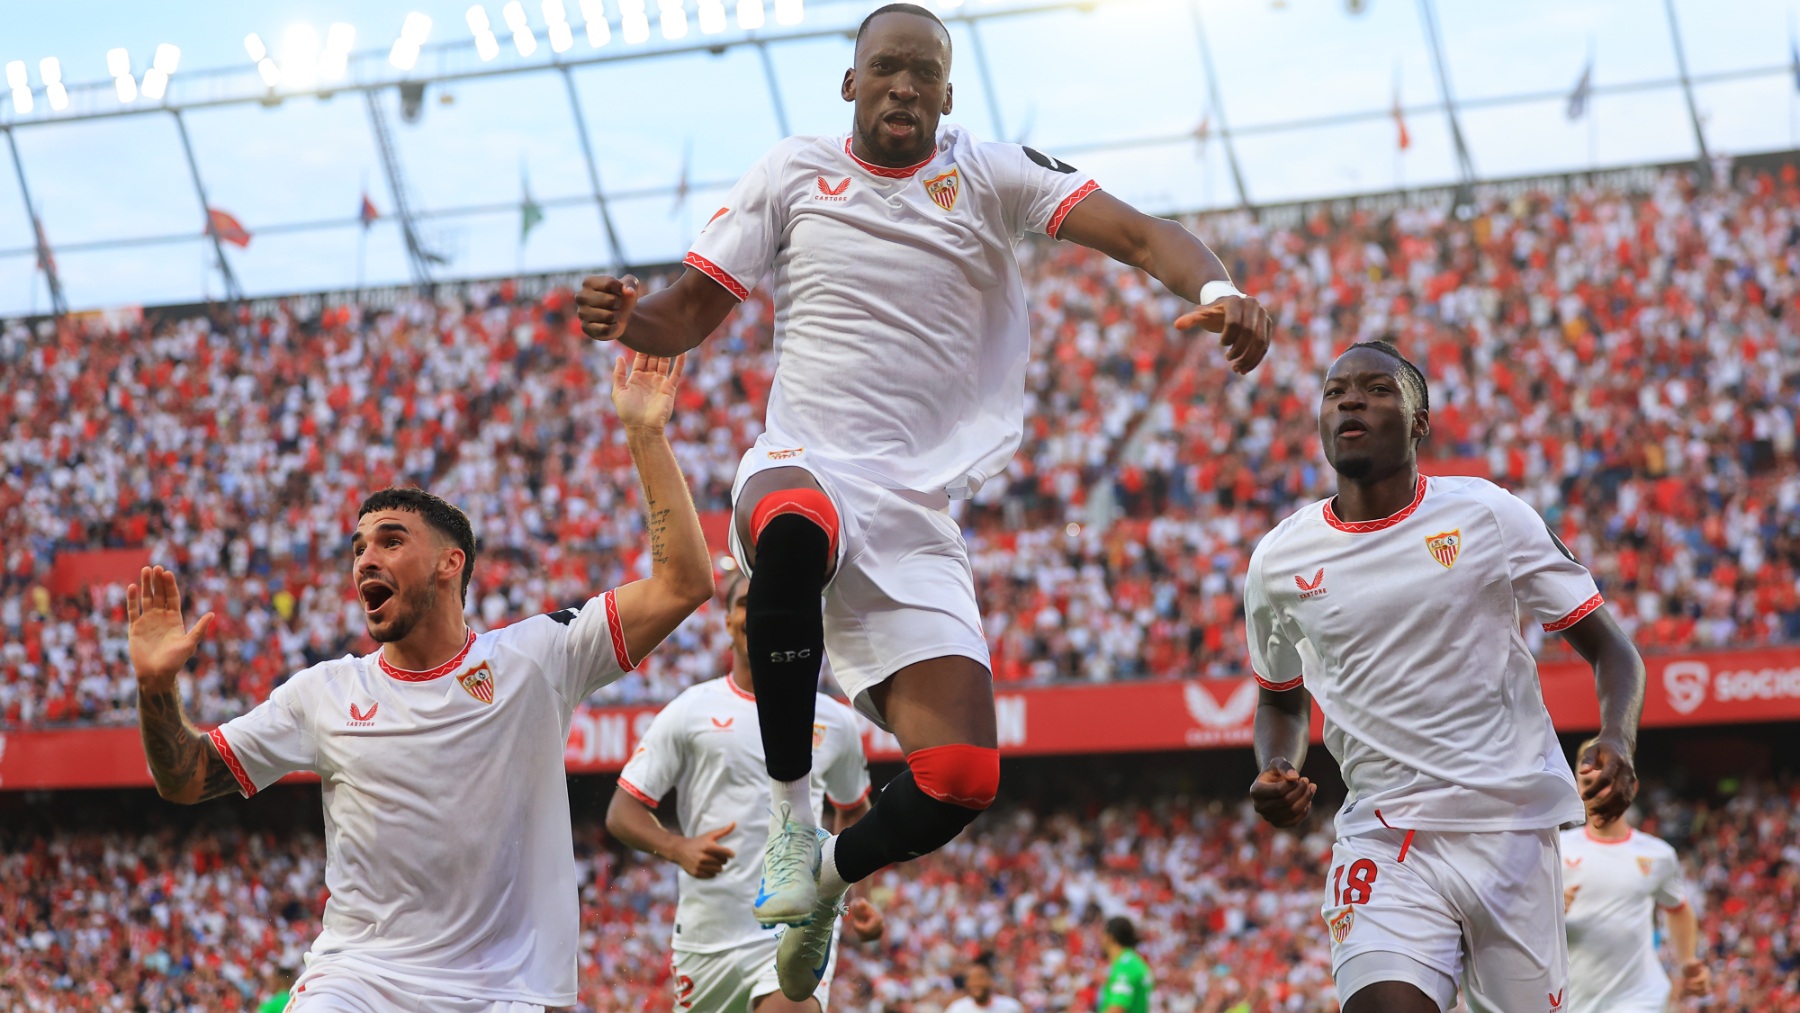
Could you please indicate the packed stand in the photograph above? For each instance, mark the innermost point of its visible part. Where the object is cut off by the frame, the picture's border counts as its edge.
(217, 917)
(1628, 363)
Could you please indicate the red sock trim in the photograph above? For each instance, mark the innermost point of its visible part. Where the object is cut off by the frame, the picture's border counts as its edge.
(968, 776)
(811, 504)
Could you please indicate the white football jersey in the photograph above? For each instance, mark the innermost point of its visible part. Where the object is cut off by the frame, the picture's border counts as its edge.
(1406, 631)
(706, 745)
(1612, 920)
(448, 851)
(900, 325)
(996, 1003)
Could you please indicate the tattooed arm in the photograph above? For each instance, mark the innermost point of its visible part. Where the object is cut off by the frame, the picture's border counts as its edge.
(184, 763)
(681, 576)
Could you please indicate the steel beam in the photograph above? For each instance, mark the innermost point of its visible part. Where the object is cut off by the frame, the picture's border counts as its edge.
(232, 291)
(41, 245)
(613, 247)
(1218, 104)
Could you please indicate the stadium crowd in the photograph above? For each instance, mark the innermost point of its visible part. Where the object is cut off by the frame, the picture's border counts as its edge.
(1626, 361)
(209, 918)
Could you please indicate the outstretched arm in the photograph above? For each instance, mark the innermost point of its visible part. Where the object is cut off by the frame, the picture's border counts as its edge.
(1177, 258)
(1619, 683)
(681, 576)
(183, 762)
(664, 323)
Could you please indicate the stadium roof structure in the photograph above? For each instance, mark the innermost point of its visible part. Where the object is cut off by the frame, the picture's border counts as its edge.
(1197, 136)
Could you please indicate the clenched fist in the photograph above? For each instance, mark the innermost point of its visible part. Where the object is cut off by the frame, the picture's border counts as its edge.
(604, 305)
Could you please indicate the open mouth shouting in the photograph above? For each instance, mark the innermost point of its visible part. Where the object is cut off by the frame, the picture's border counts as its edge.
(1351, 429)
(901, 126)
(377, 599)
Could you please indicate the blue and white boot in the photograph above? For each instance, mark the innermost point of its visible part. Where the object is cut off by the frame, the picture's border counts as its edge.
(804, 953)
(789, 890)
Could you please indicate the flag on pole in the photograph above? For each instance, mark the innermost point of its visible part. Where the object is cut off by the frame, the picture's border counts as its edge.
(681, 181)
(367, 213)
(1405, 139)
(227, 228)
(1204, 131)
(1578, 99)
(530, 212)
(1794, 59)
(45, 259)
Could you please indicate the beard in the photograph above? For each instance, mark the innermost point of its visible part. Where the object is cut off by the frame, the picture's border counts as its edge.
(1353, 468)
(413, 606)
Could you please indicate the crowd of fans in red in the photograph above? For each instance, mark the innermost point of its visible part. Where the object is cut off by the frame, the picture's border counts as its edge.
(1625, 361)
(207, 919)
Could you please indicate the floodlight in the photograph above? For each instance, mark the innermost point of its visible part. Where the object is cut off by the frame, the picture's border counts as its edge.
(599, 33)
(712, 17)
(300, 56)
(340, 37)
(514, 13)
(633, 22)
(789, 12)
(561, 37)
(15, 75)
(155, 84)
(673, 17)
(478, 21)
(167, 58)
(271, 74)
(125, 86)
(22, 100)
(486, 46)
(750, 14)
(253, 44)
(416, 28)
(404, 55)
(554, 11)
(118, 63)
(58, 95)
(50, 70)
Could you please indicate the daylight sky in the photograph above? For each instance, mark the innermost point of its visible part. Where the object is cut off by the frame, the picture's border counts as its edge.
(1069, 81)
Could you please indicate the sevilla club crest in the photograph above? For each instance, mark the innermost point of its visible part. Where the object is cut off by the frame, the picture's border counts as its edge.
(944, 189)
(1644, 865)
(818, 734)
(1340, 924)
(1444, 546)
(479, 681)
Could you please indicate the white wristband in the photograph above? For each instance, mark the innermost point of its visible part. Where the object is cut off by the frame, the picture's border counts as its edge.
(1213, 291)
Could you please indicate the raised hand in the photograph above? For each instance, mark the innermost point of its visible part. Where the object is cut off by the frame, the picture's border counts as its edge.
(604, 305)
(644, 389)
(703, 857)
(160, 642)
(1280, 795)
(1242, 324)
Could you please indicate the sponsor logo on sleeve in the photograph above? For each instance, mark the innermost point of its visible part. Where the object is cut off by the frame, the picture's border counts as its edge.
(1050, 162)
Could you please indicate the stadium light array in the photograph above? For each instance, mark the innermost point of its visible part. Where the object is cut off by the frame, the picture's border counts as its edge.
(21, 89)
(259, 55)
(789, 12)
(672, 15)
(712, 17)
(50, 72)
(118, 64)
(599, 33)
(633, 22)
(334, 63)
(162, 67)
(413, 33)
(486, 45)
(300, 57)
(524, 39)
(556, 23)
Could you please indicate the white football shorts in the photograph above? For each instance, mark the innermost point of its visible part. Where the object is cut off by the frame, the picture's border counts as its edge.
(730, 981)
(1481, 908)
(903, 591)
(341, 990)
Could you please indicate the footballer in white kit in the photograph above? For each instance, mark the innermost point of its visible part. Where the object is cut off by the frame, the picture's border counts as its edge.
(978, 991)
(449, 858)
(1396, 607)
(902, 339)
(1615, 879)
(704, 746)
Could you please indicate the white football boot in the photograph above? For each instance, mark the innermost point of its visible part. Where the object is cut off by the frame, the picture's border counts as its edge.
(789, 890)
(802, 956)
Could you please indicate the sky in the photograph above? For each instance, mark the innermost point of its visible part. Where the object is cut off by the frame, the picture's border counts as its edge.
(1092, 86)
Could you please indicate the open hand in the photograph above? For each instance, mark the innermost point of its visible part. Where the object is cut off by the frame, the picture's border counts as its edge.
(865, 920)
(703, 857)
(1242, 324)
(160, 643)
(1280, 795)
(1608, 780)
(604, 305)
(644, 389)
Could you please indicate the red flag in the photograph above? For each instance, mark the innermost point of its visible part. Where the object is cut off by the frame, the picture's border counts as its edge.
(1400, 122)
(227, 228)
(46, 260)
(368, 214)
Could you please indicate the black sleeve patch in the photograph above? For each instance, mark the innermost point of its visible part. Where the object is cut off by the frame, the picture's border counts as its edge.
(1560, 547)
(564, 616)
(1047, 161)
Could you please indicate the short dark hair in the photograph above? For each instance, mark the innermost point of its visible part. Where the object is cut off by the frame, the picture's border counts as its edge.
(1122, 931)
(984, 959)
(437, 512)
(1410, 376)
(902, 8)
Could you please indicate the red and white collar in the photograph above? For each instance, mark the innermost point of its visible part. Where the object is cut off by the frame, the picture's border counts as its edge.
(1589, 830)
(408, 675)
(1363, 527)
(737, 690)
(884, 171)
